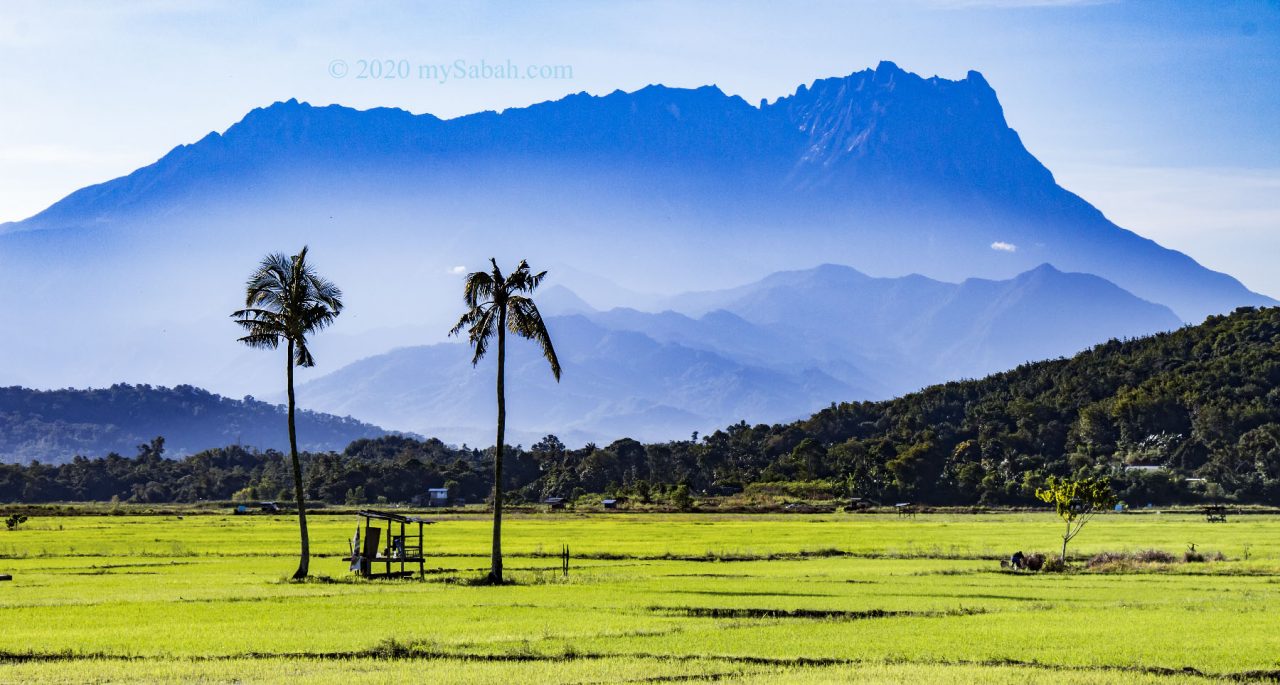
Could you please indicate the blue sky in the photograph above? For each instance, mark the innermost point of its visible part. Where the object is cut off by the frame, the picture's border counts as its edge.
(1163, 114)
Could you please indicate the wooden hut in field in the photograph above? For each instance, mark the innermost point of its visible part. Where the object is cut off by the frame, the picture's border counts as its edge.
(388, 545)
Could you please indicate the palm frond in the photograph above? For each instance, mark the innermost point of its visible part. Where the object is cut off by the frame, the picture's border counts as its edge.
(480, 323)
(316, 317)
(523, 280)
(524, 319)
(285, 299)
(481, 332)
(302, 354)
(323, 291)
(266, 285)
(257, 314)
(261, 340)
(489, 296)
(467, 319)
(478, 288)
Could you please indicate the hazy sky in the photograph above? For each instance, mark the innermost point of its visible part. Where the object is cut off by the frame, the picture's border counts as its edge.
(1163, 114)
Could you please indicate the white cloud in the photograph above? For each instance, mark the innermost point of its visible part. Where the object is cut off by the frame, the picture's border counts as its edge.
(1002, 246)
(458, 270)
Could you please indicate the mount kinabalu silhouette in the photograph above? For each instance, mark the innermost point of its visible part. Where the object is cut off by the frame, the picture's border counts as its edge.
(664, 189)
(781, 347)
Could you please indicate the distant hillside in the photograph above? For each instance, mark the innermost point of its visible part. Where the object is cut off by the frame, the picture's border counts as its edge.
(901, 334)
(615, 383)
(55, 425)
(1202, 401)
(775, 350)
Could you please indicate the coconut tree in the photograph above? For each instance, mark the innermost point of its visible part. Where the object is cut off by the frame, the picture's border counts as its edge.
(497, 304)
(285, 301)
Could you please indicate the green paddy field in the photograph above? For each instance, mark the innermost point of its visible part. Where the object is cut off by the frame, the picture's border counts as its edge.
(650, 598)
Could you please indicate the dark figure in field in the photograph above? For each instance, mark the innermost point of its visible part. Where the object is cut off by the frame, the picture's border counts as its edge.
(1018, 560)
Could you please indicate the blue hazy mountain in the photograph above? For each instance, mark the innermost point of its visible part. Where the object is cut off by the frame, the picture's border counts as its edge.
(616, 383)
(665, 190)
(913, 331)
(783, 346)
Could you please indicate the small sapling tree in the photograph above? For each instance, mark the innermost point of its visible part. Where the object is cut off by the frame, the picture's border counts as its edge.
(1076, 502)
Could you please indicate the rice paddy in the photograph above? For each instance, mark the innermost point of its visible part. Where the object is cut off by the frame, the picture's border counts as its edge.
(649, 598)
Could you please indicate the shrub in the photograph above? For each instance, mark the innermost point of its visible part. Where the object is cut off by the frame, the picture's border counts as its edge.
(681, 498)
(1154, 556)
(1134, 561)
(14, 521)
(1107, 559)
(1194, 556)
(1055, 565)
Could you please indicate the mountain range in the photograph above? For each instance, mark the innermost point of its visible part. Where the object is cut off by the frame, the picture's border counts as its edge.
(689, 200)
(777, 349)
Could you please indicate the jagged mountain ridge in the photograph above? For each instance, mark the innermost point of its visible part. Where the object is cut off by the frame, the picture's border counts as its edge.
(665, 189)
(857, 145)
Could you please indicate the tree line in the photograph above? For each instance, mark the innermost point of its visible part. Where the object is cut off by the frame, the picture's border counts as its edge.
(1202, 404)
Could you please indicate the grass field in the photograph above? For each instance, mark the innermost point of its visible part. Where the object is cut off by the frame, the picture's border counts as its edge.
(650, 598)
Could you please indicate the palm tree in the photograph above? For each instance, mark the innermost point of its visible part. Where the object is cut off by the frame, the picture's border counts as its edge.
(285, 301)
(495, 305)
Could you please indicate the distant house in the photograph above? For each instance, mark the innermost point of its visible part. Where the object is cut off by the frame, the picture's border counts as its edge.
(858, 504)
(438, 497)
(554, 502)
(609, 503)
(1144, 468)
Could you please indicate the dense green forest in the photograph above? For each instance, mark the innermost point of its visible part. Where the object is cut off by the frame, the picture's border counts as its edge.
(1199, 408)
(56, 425)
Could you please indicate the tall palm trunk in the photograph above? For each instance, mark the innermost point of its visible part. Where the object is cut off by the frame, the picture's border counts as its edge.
(495, 571)
(305, 562)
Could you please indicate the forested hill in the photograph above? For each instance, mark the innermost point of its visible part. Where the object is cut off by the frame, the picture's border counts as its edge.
(55, 425)
(1202, 402)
